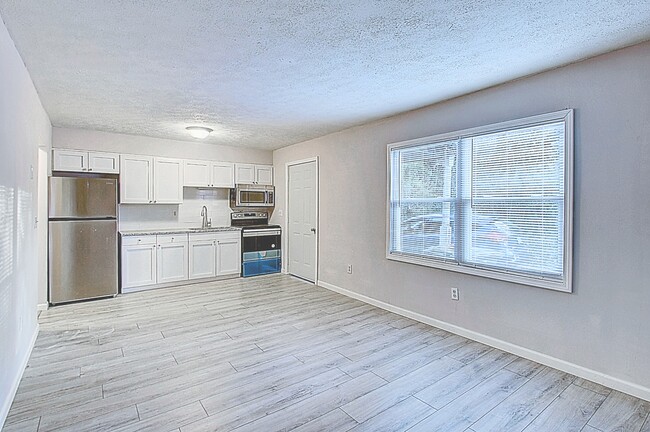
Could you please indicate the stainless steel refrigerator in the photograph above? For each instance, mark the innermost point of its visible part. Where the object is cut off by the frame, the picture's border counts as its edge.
(83, 238)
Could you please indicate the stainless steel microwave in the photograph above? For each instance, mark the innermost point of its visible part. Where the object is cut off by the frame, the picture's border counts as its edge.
(246, 195)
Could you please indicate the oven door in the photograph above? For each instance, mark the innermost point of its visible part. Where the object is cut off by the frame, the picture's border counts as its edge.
(261, 240)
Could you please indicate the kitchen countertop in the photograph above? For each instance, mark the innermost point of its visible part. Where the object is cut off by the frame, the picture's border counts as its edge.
(163, 231)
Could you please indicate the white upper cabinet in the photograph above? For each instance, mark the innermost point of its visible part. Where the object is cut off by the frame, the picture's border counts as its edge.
(209, 174)
(149, 180)
(70, 160)
(168, 181)
(253, 174)
(197, 173)
(136, 179)
(85, 161)
(223, 174)
(244, 173)
(264, 174)
(104, 162)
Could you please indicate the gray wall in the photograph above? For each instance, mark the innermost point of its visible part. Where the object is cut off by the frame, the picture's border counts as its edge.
(24, 126)
(83, 139)
(604, 324)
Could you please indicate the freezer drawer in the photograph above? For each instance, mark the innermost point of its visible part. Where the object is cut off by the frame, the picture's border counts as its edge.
(83, 198)
(83, 260)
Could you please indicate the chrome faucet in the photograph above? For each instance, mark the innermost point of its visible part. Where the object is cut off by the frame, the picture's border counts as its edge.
(205, 223)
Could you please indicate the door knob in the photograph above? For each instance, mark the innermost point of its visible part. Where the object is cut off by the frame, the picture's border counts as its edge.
(313, 230)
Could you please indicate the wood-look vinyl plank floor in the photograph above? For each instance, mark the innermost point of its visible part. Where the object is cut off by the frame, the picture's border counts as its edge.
(275, 353)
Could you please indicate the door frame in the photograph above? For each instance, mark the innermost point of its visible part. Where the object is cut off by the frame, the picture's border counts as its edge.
(42, 224)
(286, 212)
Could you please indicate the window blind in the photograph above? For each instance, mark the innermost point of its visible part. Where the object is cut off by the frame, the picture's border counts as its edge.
(516, 204)
(424, 200)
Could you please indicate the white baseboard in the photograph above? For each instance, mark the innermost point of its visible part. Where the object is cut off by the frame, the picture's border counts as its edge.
(556, 363)
(178, 283)
(42, 306)
(6, 403)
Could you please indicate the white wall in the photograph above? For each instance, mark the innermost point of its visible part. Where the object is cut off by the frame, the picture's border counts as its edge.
(188, 214)
(24, 125)
(603, 326)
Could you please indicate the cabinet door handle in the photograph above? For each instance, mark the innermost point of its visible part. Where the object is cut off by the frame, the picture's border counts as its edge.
(90, 169)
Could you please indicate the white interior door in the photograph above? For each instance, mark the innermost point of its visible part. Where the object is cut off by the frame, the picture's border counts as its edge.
(302, 219)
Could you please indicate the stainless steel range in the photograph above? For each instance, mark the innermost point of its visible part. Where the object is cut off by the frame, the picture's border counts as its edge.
(261, 243)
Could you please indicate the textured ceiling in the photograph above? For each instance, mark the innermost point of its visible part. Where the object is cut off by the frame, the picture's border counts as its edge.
(269, 73)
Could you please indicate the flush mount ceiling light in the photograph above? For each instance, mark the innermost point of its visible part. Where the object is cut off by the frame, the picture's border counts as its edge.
(199, 132)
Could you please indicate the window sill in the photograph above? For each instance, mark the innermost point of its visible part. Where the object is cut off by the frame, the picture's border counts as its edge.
(562, 286)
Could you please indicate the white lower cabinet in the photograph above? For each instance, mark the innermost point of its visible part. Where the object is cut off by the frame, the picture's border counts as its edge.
(203, 256)
(138, 261)
(171, 260)
(151, 260)
(215, 254)
(228, 256)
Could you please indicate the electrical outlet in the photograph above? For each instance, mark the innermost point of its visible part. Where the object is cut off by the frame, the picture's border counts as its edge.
(454, 294)
(349, 268)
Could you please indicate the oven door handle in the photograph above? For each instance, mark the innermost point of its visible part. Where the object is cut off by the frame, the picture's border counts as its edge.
(259, 233)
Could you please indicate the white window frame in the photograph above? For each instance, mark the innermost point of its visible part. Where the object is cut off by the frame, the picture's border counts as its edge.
(564, 285)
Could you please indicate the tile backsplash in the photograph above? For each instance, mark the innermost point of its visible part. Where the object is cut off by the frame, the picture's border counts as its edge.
(187, 214)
